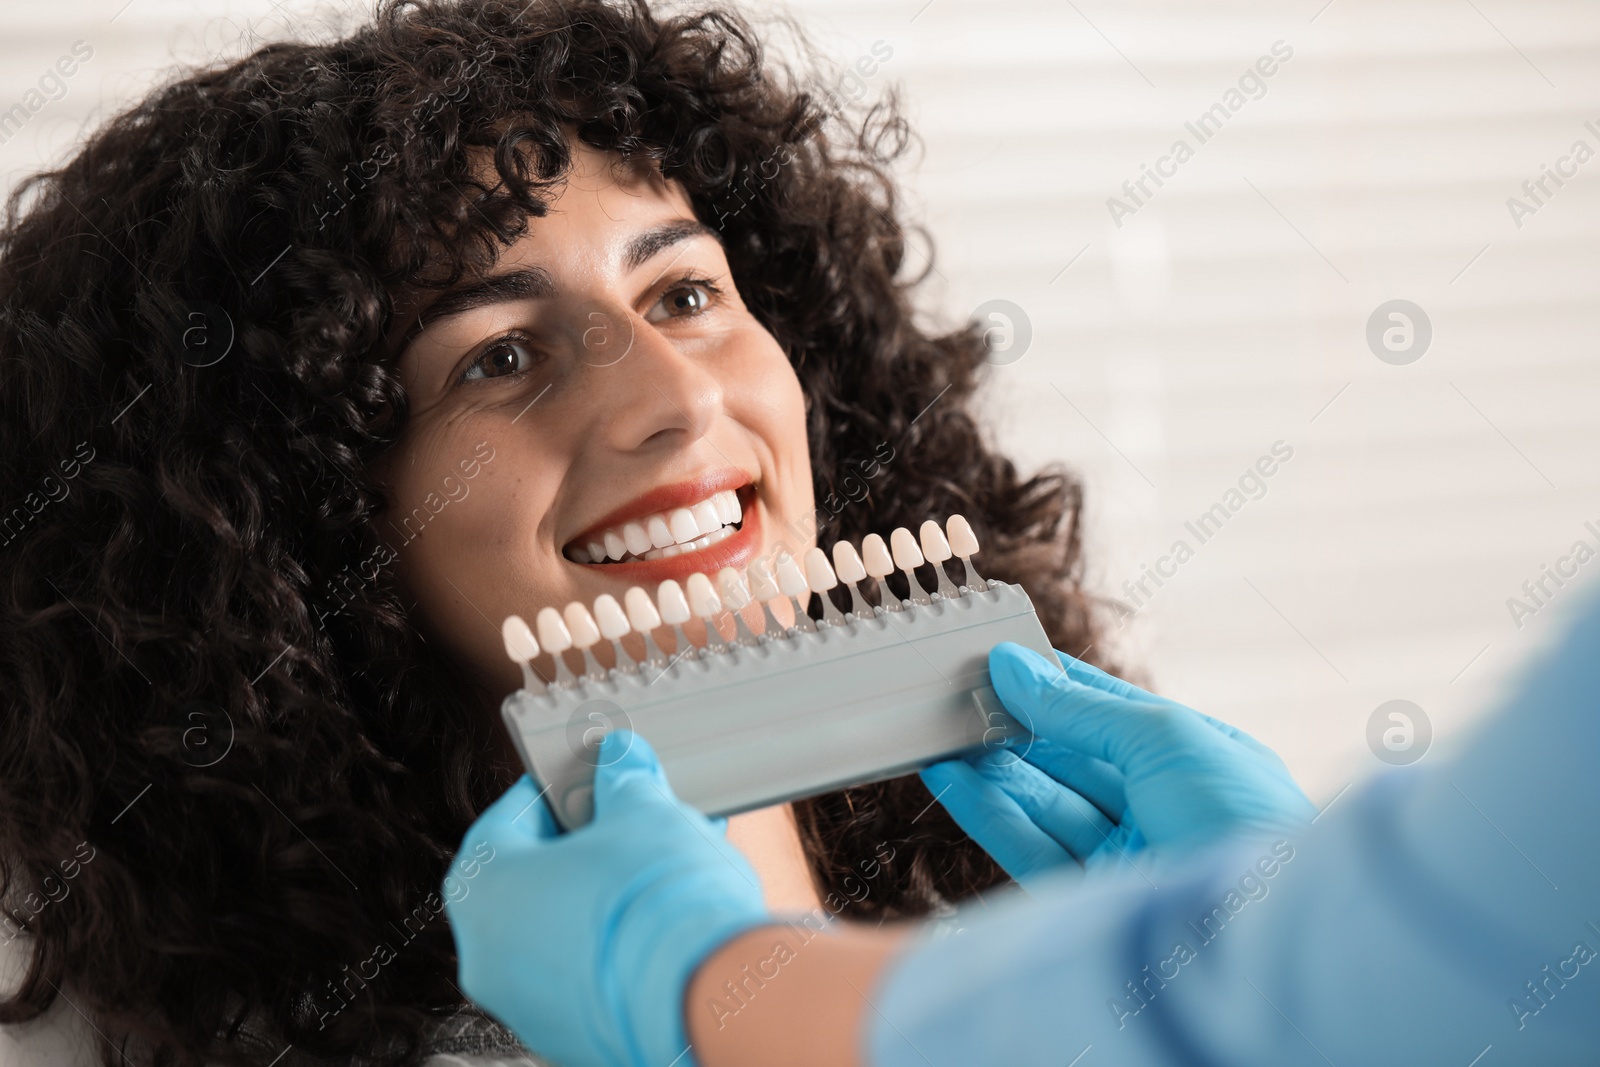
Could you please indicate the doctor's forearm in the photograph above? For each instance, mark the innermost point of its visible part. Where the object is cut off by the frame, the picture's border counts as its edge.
(781, 995)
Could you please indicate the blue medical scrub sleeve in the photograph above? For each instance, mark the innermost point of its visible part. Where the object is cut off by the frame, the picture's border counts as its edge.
(1442, 913)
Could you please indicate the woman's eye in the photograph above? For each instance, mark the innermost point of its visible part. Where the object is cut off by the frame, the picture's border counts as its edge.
(501, 359)
(688, 298)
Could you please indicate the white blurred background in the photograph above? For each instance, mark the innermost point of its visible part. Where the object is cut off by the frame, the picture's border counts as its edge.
(1228, 311)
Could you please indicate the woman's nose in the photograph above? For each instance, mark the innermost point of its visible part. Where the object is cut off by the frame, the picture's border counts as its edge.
(654, 392)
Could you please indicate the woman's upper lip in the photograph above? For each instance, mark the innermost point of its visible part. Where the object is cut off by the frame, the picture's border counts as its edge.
(665, 498)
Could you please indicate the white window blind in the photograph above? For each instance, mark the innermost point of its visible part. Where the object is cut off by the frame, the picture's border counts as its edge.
(1228, 312)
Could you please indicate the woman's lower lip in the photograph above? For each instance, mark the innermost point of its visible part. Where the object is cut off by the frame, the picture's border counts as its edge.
(735, 551)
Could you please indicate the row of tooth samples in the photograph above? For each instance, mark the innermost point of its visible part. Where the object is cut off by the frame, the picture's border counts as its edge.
(576, 627)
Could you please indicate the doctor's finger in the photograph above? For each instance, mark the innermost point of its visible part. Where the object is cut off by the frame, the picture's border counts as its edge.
(518, 817)
(1070, 819)
(1118, 730)
(994, 820)
(1238, 735)
(1090, 675)
(1087, 674)
(628, 775)
(1098, 781)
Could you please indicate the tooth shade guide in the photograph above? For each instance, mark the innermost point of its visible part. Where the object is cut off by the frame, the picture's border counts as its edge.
(562, 672)
(931, 539)
(936, 550)
(847, 564)
(581, 625)
(734, 589)
(879, 564)
(964, 544)
(703, 598)
(859, 606)
(741, 606)
(765, 592)
(908, 557)
(792, 583)
(543, 669)
(736, 627)
(745, 728)
(821, 578)
(522, 649)
(552, 631)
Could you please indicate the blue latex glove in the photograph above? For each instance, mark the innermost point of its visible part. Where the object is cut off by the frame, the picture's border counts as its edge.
(1112, 772)
(583, 943)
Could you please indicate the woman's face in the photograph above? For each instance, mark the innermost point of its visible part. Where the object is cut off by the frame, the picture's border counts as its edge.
(604, 374)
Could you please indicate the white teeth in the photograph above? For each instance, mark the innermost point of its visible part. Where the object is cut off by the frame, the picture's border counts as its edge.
(727, 505)
(635, 538)
(819, 575)
(674, 608)
(683, 526)
(876, 556)
(655, 536)
(934, 547)
(706, 517)
(907, 556)
(520, 645)
(846, 564)
(702, 597)
(642, 612)
(553, 633)
(608, 613)
(963, 542)
(693, 546)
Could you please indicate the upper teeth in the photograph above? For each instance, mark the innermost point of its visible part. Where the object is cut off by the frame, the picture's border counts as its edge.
(665, 533)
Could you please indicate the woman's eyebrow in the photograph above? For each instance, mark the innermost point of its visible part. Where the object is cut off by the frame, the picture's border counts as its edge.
(535, 283)
(647, 243)
(525, 283)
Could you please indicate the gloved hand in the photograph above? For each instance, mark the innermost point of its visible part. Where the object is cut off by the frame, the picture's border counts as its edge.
(1112, 773)
(582, 943)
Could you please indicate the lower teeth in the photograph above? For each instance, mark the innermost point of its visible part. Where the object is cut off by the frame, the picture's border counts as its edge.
(673, 550)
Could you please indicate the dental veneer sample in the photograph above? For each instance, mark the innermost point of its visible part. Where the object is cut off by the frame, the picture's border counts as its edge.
(792, 711)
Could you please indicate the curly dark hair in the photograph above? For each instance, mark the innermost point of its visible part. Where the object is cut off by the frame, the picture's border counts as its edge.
(219, 788)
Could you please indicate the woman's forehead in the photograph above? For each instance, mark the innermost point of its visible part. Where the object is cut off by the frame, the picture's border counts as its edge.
(598, 209)
(601, 199)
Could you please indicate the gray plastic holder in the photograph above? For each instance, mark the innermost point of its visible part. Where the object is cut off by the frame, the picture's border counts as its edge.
(797, 714)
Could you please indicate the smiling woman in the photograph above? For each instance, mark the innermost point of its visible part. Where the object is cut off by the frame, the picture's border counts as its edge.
(475, 240)
(673, 451)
